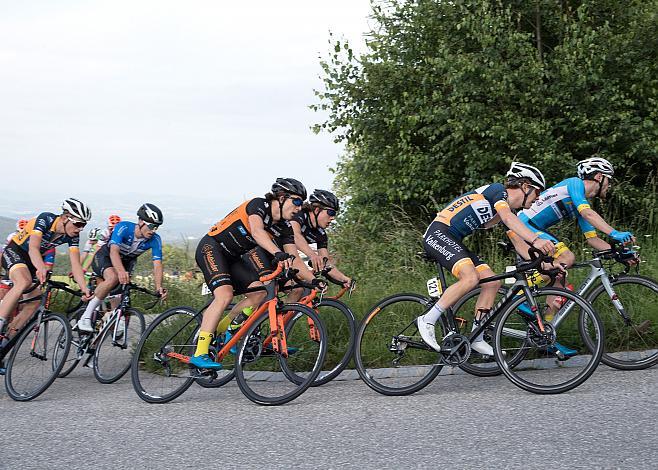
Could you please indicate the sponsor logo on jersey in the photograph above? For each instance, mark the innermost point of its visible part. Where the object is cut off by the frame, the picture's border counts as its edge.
(459, 202)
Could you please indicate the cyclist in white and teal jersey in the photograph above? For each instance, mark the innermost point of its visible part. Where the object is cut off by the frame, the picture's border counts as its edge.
(569, 199)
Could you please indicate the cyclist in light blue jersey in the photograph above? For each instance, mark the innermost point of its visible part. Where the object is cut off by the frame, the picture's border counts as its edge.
(114, 262)
(568, 200)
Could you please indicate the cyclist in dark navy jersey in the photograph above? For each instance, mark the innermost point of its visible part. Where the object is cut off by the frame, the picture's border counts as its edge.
(240, 248)
(23, 257)
(479, 209)
(114, 262)
(309, 227)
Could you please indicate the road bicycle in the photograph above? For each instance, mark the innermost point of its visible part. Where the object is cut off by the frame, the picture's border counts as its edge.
(30, 354)
(392, 358)
(116, 333)
(263, 361)
(339, 321)
(626, 303)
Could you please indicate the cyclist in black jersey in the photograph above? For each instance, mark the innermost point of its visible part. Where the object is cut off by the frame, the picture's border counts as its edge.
(240, 248)
(23, 259)
(481, 208)
(309, 227)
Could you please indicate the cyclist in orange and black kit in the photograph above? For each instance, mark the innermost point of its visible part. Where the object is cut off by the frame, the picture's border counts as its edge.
(309, 228)
(240, 248)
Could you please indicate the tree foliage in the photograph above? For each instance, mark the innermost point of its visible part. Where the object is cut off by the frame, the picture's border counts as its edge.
(447, 94)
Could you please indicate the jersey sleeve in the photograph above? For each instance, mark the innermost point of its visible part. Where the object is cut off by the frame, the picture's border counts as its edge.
(576, 189)
(323, 240)
(156, 248)
(257, 206)
(496, 195)
(287, 236)
(74, 243)
(119, 233)
(42, 224)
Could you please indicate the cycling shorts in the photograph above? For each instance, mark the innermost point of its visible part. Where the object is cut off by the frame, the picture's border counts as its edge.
(222, 269)
(14, 256)
(447, 249)
(102, 261)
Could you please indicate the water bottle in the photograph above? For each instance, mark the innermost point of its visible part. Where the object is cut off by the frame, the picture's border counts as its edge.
(240, 319)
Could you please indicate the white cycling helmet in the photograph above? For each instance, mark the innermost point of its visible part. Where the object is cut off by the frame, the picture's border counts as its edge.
(590, 166)
(77, 209)
(529, 172)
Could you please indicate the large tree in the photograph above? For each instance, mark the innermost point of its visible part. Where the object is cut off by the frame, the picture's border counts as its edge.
(447, 94)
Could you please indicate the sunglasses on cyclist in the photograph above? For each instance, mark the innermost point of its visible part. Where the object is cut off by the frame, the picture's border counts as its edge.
(153, 227)
(537, 190)
(78, 223)
(331, 212)
(297, 201)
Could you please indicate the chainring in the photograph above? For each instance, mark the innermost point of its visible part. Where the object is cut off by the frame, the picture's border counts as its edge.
(455, 349)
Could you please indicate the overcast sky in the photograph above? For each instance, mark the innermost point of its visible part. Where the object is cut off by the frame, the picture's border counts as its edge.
(193, 98)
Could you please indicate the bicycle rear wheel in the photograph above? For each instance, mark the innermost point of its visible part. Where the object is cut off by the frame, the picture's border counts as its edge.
(631, 345)
(158, 376)
(341, 330)
(260, 370)
(31, 368)
(389, 353)
(114, 354)
(546, 369)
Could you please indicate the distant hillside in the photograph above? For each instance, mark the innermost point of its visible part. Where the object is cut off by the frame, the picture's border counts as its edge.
(7, 225)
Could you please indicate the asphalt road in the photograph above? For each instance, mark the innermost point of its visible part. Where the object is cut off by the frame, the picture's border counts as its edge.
(459, 421)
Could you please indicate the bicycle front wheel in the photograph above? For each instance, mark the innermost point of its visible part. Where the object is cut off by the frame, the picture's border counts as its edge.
(341, 330)
(389, 353)
(631, 343)
(556, 357)
(31, 367)
(159, 374)
(75, 352)
(116, 346)
(260, 370)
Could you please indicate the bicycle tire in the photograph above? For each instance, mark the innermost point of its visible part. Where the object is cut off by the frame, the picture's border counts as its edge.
(539, 365)
(471, 366)
(151, 368)
(641, 318)
(227, 373)
(52, 324)
(259, 372)
(71, 361)
(111, 361)
(339, 350)
(386, 380)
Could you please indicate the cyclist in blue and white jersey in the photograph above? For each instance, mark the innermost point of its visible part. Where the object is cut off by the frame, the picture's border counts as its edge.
(23, 257)
(568, 200)
(481, 208)
(114, 262)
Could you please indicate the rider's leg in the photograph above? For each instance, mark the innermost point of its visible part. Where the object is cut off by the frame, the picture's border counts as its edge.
(483, 306)
(252, 300)
(467, 279)
(21, 279)
(109, 281)
(295, 295)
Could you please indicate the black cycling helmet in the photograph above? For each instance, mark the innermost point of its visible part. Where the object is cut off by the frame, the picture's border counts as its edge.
(325, 199)
(150, 213)
(289, 186)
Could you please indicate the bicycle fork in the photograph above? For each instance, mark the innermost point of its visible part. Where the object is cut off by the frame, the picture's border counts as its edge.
(277, 330)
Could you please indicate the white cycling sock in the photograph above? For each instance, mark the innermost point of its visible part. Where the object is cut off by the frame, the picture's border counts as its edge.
(91, 306)
(433, 315)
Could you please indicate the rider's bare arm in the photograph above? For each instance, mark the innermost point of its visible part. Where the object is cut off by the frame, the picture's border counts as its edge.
(260, 234)
(596, 220)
